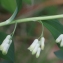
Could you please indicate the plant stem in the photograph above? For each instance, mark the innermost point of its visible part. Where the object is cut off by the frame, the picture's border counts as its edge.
(42, 29)
(33, 19)
(14, 29)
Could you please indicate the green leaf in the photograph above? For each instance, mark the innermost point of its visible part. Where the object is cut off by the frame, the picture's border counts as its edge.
(55, 28)
(10, 55)
(19, 4)
(18, 7)
(9, 5)
(59, 54)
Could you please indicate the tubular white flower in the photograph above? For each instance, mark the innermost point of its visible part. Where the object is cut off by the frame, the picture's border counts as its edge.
(6, 44)
(58, 40)
(36, 46)
(38, 52)
(61, 44)
(35, 49)
(32, 46)
(5, 48)
(42, 41)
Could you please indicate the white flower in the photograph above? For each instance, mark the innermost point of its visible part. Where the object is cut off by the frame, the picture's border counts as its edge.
(32, 46)
(38, 52)
(36, 46)
(35, 49)
(60, 40)
(61, 44)
(42, 41)
(6, 44)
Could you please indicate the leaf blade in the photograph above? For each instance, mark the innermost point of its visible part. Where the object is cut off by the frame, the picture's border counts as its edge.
(59, 54)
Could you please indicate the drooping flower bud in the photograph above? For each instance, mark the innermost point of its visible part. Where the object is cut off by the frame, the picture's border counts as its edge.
(42, 41)
(6, 44)
(60, 40)
(35, 49)
(33, 45)
(38, 52)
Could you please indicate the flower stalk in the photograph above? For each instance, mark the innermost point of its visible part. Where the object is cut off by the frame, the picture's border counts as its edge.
(33, 19)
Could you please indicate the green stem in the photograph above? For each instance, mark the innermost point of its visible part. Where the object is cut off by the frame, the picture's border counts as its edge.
(14, 29)
(13, 15)
(33, 19)
(42, 29)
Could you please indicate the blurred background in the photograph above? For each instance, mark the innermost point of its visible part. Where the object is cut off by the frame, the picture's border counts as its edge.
(27, 32)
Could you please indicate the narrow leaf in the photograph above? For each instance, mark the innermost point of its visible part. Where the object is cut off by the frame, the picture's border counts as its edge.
(55, 28)
(59, 54)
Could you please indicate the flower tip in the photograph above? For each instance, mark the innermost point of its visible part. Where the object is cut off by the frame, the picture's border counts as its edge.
(29, 48)
(4, 52)
(0, 47)
(42, 40)
(38, 52)
(57, 40)
(37, 55)
(61, 44)
(33, 53)
(42, 47)
(35, 49)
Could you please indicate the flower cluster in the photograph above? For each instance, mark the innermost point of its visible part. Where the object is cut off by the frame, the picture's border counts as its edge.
(60, 40)
(36, 46)
(6, 44)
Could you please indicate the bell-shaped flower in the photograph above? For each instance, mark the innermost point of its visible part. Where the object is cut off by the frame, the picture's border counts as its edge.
(6, 44)
(35, 49)
(38, 52)
(32, 46)
(61, 44)
(60, 40)
(42, 41)
(36, 46)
